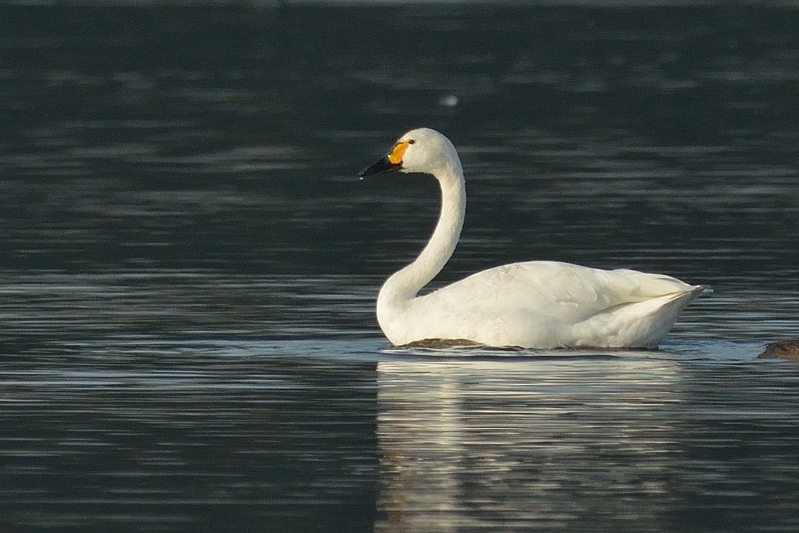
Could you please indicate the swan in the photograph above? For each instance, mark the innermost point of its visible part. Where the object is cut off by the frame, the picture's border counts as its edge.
(535, 304)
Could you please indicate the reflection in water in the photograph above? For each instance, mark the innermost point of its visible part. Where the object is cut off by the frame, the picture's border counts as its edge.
(489, 444)
(586, 444)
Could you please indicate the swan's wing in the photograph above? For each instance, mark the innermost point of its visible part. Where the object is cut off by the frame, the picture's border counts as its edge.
(561, 291)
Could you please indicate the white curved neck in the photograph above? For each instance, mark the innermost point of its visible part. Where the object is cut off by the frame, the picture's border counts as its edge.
(404, 285)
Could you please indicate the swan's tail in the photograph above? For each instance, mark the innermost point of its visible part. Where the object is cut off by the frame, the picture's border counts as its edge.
(639, 324)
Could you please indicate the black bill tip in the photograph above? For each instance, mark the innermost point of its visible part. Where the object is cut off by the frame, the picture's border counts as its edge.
(381, 166)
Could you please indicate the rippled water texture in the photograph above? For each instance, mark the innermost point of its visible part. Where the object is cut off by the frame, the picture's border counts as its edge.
(188, 268)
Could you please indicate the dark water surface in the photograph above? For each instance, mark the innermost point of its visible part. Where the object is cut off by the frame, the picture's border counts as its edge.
(188, 268)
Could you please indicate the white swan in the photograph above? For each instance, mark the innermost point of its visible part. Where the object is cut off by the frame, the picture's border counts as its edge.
(536, 304)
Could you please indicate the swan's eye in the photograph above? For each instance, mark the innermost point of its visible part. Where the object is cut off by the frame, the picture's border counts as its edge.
(395, 157)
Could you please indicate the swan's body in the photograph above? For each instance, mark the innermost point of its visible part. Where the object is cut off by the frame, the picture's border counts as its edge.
(536, 304)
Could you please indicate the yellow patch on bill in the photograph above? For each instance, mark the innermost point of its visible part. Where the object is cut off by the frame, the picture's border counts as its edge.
(395, 157)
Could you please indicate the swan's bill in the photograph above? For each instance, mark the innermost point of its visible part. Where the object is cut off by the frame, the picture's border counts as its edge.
(390, 163)
(380, 166)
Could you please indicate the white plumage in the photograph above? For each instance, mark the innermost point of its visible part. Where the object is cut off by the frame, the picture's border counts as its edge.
(536, 304)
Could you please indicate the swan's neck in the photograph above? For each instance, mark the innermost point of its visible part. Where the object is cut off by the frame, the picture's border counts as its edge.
(404, 285)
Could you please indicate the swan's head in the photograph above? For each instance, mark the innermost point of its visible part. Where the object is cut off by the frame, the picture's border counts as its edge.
(420, 150)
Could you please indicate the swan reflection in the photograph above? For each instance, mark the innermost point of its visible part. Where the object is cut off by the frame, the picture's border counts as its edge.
(473, 444)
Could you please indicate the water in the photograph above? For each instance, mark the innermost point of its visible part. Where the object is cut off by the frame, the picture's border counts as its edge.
(188, 268)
